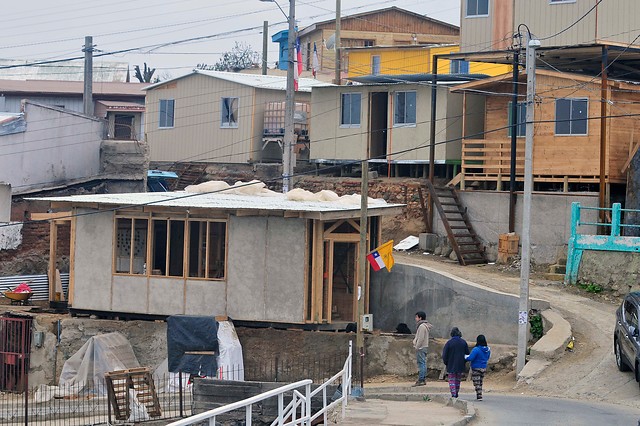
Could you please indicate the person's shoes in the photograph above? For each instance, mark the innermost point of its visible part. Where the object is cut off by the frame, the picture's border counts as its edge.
(479, 398)
(419, 383)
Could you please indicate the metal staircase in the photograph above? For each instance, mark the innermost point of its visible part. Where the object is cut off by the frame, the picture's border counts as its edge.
(462, 237)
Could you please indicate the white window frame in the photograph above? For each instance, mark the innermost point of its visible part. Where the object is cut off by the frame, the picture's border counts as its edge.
(395, 105)
(166, 119)
(555, 127)
(351, 123)
(225, 122)
(476, 15)
(561, 1)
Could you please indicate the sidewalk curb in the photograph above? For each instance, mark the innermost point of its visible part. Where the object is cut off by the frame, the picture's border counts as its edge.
(466, 407)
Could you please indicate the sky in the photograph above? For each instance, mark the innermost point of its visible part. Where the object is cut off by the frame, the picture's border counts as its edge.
(155, 29)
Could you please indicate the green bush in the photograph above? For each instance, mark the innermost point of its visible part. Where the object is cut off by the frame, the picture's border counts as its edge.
(536, 326)
(591, 287)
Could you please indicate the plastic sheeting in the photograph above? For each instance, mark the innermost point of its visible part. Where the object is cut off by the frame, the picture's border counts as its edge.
(189, 338)
(85, 370)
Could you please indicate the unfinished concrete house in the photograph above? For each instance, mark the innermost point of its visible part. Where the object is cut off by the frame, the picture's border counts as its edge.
(250, 257)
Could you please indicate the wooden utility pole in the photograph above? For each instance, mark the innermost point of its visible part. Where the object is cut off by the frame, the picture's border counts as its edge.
(338, 64)
(265, 45)
(87, 95)
(362, 263)
(523, 307)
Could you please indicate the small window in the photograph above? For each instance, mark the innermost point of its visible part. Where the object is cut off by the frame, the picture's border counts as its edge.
(351, 109)
(521, 119)
(477, 8)
(167, 107)
(571, 116)
(369, 43)
(375, 65)
(404, 109)
(229, 108)
(459, 66)
(207, 242)
(167, 251)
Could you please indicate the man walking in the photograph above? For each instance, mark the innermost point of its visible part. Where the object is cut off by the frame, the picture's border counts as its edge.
(421, 344)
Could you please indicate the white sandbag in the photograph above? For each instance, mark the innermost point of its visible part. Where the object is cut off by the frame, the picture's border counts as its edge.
(209, 186)
(299, 194)
(326, 195)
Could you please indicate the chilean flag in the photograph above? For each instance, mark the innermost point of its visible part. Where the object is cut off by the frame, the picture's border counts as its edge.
(376, 261)
(297, 65)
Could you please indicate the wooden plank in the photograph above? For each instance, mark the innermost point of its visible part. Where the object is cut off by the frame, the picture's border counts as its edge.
(49, 216)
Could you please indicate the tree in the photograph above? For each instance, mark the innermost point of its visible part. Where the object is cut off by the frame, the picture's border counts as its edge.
(144, 76)
(241, 57)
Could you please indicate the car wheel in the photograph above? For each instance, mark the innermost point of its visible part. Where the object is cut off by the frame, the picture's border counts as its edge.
(622, 366)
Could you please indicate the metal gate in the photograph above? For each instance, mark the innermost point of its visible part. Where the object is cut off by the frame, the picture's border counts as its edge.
(15, 350)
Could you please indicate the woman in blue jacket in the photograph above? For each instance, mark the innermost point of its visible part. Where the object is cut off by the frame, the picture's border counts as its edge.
(478, 359)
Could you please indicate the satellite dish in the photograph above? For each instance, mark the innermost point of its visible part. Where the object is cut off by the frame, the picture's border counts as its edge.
(330, 43)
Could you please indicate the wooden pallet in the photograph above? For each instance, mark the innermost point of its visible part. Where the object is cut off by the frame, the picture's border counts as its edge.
(188, 174)
(140, 381)
(463, 239)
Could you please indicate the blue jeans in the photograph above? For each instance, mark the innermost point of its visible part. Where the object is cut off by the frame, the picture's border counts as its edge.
(421, 358)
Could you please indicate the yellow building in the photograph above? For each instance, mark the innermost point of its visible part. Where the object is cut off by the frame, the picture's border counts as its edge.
(413, 59)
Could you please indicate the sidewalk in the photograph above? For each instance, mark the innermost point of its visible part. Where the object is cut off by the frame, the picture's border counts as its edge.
(402, 405)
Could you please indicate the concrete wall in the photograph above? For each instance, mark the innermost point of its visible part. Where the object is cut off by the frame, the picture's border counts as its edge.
(57, 146)
(5, 202)
(550, 220)
(448, 301)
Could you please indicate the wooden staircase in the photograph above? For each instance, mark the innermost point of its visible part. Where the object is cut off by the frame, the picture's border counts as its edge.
(140, 381)
(462, 237)
(188, 174)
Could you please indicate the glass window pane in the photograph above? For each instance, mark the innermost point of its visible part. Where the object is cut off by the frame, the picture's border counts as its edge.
(579, 117)
(176, 248)
(563, 115)
(399, 110)
(375, 65)
(522, 119)
(410, 108)
(355, 108)
(139, 248)
(346, 109)
(159, 248)
(483, 7)
(197, 249)
(472, 7)
(170, 112)
(217, 244)
(123, 245)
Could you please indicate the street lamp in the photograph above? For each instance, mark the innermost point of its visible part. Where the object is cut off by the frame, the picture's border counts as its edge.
(287, 154)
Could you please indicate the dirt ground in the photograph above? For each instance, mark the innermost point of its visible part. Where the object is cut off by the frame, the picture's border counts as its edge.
(589, 371)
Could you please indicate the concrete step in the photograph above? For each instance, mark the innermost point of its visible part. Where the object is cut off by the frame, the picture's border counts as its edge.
(554, 277)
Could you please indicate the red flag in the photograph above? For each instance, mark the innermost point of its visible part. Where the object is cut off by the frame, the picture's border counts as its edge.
(297, 64)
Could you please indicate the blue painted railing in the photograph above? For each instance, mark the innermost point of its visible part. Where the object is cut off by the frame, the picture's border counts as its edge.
(612, 242)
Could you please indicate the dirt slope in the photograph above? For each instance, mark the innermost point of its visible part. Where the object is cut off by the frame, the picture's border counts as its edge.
(589, 372)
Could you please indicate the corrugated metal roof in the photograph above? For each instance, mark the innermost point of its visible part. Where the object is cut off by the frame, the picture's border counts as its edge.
(276, 202)
(73, 87)
(270, 82)
(39, 284)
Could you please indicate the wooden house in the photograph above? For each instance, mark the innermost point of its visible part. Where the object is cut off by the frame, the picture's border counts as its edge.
(389, 122)
(250, 257)
(214, 117)
(383, 27)
(413, 59)
(567, 138)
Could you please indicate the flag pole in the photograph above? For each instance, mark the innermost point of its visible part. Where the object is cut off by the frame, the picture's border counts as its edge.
(362, 265)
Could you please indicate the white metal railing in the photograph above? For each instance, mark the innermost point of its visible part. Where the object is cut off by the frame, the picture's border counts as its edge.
(297, 411)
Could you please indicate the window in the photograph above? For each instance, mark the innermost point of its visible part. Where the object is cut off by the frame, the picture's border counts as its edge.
(375, 65)
(404, 113)
(459, 66)
(630, 314)
(351, 109)
(205, 254)
(207, 241)
(167, 107)
(229, 108)
(521, 120)
(131, 246)
(477, 8)
(369, 43)
(571, 116)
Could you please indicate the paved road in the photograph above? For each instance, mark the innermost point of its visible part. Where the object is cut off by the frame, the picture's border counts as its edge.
(525, 410)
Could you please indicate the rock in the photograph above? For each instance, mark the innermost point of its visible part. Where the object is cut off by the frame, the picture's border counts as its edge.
(437, 251)
(453, 256)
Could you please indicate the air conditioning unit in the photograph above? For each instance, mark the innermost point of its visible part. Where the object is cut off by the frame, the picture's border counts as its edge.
(367, 322)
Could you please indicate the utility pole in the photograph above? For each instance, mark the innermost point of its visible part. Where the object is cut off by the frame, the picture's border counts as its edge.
(338, 64)
(265, 45)
(362, 263)
(87, 95)
(523, 314)
(287, 155)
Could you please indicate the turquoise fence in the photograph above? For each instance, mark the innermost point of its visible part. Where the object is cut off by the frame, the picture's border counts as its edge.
(578, 242)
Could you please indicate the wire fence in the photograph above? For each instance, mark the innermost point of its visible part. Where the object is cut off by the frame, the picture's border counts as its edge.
(89, 404)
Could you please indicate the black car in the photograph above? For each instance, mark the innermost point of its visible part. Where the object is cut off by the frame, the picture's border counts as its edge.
(626, 337)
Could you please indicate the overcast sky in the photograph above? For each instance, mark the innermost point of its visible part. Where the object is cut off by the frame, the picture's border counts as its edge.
(41, 30)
